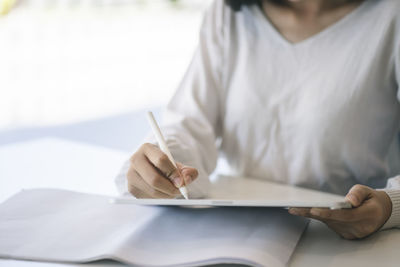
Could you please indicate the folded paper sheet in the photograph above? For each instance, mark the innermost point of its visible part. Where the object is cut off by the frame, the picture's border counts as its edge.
(65, 226)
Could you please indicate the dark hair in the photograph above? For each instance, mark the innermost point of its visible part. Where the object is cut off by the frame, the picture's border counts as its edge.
(237, 4)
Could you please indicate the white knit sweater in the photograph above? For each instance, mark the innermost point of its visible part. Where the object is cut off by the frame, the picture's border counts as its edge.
(323, 113)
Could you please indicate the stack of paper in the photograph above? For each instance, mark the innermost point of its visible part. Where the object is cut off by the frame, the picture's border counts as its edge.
(65, 226)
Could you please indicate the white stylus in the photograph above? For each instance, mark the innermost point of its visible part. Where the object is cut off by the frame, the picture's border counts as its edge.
(164, 148)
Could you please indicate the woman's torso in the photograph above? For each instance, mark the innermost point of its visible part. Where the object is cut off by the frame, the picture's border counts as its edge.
(322, 113)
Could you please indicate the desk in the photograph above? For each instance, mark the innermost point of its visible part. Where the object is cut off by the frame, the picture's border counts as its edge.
(81, 167)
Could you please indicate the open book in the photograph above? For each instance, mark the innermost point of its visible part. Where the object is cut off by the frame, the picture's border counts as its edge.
(65, 226)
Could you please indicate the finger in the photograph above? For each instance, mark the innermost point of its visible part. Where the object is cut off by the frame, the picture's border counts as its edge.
(188, 173)
(140, 189)
(161, 161)
(358, 193)
(133, 178)
(343, 215)
(148, 190)
(154, 179)
(136, 192)
(328, 214)
(314, 213)
(305, 212)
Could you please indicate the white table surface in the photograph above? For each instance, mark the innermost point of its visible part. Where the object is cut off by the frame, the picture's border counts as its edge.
(63, 164)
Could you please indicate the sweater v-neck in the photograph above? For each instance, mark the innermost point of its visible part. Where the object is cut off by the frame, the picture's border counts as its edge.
(266, 22)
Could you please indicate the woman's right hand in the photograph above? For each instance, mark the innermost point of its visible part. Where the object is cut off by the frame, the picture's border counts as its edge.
(152, 175)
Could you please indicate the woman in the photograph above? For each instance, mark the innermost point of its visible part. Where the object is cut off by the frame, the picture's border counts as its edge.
(301, 92)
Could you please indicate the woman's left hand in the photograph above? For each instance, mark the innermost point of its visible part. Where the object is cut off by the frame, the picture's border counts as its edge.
(371, 209)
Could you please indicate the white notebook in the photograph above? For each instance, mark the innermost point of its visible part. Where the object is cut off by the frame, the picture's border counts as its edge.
(65, 226)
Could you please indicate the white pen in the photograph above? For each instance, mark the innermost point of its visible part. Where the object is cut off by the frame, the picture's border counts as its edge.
(164, 148)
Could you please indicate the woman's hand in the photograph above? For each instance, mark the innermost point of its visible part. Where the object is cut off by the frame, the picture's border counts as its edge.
(371, 209)
(152, 174)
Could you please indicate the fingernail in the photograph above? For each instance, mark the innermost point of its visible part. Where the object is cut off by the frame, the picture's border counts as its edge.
(188, 179)
(352, 199)
(315, 212)
(177, 181)
(293, 211)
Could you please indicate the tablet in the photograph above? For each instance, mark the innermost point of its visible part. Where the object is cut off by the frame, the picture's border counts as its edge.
(246, 192)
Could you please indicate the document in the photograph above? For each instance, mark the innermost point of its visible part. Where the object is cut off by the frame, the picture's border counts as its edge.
(66, 226)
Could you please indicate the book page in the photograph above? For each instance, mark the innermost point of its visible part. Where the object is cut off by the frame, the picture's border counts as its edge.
(65, 226)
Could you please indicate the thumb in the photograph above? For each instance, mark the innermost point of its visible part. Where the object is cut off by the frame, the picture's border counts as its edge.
(358, 194)
(189, 174)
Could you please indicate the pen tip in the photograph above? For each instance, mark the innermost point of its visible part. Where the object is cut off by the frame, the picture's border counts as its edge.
(184, 192)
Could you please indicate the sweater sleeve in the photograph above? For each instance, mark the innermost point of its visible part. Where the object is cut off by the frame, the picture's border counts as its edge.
(393, 185)
(191, 122)
(393, 191)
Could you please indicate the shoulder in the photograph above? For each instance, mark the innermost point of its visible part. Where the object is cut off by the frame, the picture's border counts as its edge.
(215, 15)
(382, 17)
(224, 16)
(389, 9)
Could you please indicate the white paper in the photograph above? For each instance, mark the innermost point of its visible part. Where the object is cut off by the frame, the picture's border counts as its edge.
(58, 163)
(65, 226)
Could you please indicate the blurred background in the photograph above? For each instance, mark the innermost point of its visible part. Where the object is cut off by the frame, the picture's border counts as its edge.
(81, 69)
